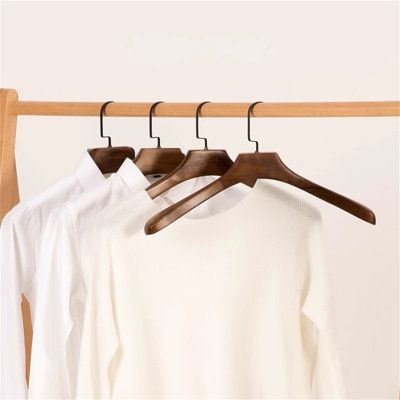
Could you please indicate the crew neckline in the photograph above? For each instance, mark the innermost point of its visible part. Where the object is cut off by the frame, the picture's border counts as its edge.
(247, 198)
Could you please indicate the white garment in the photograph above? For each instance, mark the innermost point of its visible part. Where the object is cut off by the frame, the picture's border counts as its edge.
(61, 284)
(61, 277)
(233, 305)
(20, 235)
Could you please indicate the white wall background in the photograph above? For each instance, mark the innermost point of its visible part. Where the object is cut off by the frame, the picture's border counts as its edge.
(237, 51)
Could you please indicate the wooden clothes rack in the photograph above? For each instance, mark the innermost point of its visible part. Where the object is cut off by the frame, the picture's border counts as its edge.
(11, 108)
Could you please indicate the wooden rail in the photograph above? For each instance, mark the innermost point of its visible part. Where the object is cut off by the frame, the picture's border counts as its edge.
(231, 110)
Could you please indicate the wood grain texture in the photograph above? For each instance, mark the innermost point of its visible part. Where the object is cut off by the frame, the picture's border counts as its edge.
(9, 193)
(158, 160)
(196, 163)
(294, 109)
(247, 169)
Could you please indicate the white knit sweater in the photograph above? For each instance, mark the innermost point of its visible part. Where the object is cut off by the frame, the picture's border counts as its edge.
(234, 305)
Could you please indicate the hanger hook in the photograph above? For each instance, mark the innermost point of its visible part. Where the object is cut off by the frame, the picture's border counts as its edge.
(249, 113)
(102, 110)
(198, 111)
(151, 113)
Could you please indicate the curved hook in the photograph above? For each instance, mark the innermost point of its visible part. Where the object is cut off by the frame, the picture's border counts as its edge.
(151, 112)
(198, 110)
(249, 112)
(102, 109)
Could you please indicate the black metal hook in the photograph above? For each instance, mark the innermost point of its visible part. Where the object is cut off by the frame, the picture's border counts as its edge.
(102, 109)
(198, 110)
(249, 112)
(151, 112)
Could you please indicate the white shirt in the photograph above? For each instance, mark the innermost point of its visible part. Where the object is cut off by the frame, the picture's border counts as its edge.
(233, 305)
(20, 235)
(61, 283)
(61, 280)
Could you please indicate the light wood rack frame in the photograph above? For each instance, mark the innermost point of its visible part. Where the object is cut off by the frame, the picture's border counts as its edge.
(11, 108)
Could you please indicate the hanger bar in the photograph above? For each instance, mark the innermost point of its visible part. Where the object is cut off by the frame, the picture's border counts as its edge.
(293, 109)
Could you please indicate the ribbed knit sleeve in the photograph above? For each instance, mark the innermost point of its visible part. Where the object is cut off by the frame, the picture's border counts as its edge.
(318, 307)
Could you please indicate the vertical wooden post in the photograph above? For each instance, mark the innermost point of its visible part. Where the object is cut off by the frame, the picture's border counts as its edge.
(9, 194)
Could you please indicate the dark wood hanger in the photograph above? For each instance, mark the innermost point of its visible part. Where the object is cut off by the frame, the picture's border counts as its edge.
(197, 163)
(247, 169)
(109, 159)
(157, 160)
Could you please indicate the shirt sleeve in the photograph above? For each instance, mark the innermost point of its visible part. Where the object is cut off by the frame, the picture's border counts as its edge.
(55, 344)
(17, 258)
(318, 307)
(100, 339)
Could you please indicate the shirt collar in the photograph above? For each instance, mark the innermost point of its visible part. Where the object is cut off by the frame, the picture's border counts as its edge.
(88, 173)
(132, 176)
